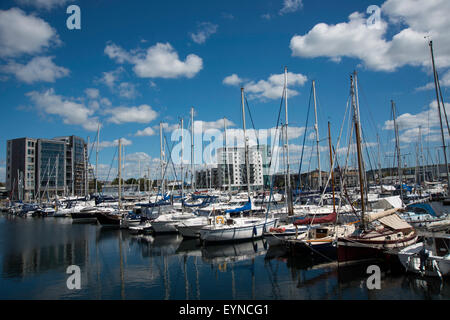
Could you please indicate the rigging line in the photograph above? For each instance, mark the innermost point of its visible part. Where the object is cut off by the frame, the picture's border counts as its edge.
(276, 129)
(110, 167)
(253, 124)
(443, 105)
(304, 139)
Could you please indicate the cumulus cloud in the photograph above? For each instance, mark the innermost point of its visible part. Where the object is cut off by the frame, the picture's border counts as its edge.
(233, 80)
(272, 88)
(38, 69)
(92, 93)
(141, 114)
(158, 61)
(291, 6)
(127, 90)
(204, 31)
(69, 110)
(427, 120)
(370, 44)
(24, 34)
(114, 143)
(43, 4)
(145, 132)
(110, 78)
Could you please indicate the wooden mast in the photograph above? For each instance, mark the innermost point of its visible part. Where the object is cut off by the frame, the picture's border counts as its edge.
(245, 144)
(331, 166)
(358, 146)
(436, 84)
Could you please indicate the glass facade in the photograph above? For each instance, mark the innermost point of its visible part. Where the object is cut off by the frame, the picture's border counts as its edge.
(50, 153)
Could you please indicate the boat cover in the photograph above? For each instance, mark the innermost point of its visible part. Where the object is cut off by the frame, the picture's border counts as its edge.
(327, 219)
(393, 221)
(246, 207)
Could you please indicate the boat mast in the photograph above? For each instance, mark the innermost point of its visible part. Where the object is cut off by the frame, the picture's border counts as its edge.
(379, 162)
(247, 166)
(192, 149)
(119, 173)
(161, 156)
(96, 159)
(331, 166)
(227, 164)
(316, 127)
(397, 145)
(358, 146)
(182, 158)
(436, 85)
(288, 186)
(56, 177)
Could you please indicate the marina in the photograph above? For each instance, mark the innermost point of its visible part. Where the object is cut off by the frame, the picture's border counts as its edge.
(116, 264)
(209, 167)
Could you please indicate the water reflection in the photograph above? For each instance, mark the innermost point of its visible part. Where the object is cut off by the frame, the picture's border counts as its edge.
(116, 264)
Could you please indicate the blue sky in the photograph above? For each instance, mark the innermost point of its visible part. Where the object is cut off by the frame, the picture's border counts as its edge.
(134, 64)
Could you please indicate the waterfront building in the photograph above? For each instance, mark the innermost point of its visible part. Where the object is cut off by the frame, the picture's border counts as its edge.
(37, 168)
(232, 169)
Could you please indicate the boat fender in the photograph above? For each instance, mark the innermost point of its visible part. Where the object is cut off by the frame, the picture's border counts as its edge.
(254, 231)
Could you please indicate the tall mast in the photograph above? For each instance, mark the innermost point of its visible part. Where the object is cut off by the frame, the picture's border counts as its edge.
(227, 165)
(182, 158)
(397, 145)
(379, 161)
(288, 189)
(358, 146)
(161, 156)
(331, 166)
(247, 166)
(96, 159)
(119, 173)
(436, 85)
(192, 149)
(56, 177)
(316, 127)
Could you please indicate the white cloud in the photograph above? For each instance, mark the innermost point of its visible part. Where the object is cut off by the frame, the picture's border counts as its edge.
(92, 93)
(24, 34)
(43, 4)
(138, 156)
(145, 132)
(140, 114)
(115, 143)
(369, 43)
(266, 16)
(272, 88)
(127, 90)
(38, 69)
(408, 124)
(110, 78)
(204, 31)
(233, 80)
(444, 81)
(71, 112)
(291, 6)
(158, 61)
(105, 102)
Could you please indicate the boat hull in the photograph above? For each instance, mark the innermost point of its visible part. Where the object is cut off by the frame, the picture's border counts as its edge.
(354, 249)
(239, 233)
(190, 231)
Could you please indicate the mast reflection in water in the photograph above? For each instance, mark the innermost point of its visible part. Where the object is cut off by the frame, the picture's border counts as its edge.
(35, 253)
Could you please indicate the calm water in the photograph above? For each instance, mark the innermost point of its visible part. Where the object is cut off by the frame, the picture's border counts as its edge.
(35, 253)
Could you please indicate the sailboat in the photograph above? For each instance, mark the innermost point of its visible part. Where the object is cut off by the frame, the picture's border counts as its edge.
(114, 219)
(227, 228)
(378, 232)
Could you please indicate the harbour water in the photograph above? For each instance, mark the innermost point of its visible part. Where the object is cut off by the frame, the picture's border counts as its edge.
(114, 264)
